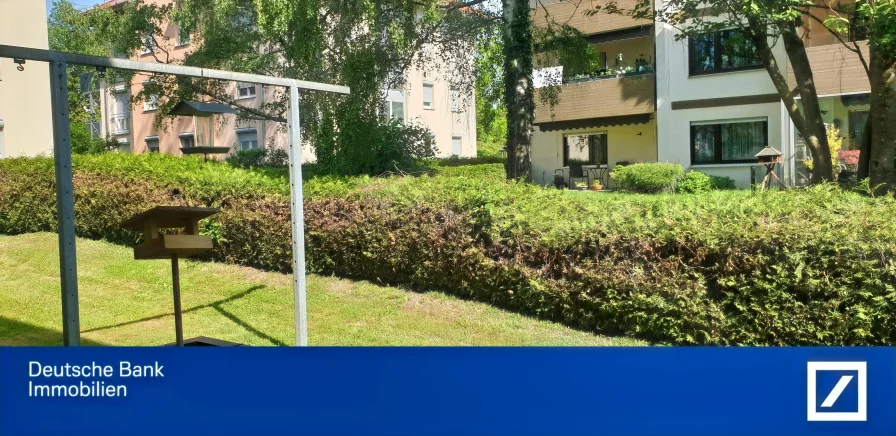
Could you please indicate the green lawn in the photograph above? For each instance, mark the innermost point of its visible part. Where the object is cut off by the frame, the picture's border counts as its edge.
(128, 302)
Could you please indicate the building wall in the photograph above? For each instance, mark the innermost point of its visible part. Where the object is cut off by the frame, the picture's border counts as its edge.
(443, 123)
(675, 86)
(630, 143)
(25, 114)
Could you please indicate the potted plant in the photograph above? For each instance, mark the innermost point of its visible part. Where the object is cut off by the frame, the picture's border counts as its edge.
(596, 186)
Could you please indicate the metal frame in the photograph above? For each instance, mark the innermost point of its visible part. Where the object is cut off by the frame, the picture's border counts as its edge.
(62, 159)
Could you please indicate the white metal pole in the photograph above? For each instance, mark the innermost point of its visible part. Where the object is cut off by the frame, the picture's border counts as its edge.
(65, 203)
(298, 217)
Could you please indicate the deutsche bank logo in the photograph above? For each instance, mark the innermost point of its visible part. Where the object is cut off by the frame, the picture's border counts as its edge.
(837, 391)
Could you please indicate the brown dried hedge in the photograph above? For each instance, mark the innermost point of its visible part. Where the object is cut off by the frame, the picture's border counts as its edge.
(803, 267)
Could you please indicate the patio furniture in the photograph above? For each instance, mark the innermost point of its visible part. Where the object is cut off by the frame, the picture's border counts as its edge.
(599, 173)
(576, 172)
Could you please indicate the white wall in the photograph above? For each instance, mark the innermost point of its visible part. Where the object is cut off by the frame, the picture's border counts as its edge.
(674, 84)
(24, 96)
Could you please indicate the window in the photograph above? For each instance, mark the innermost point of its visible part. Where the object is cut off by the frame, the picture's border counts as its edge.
(728, 142)
(427, 95)
(183, 36)
(589, 149)
(455, 101)
(727, 50)
(455, 145)
(152, 144)
(151, 102)
(245, 90)
(248, 139)
(148, 44)
(396, 110)
(187, 140)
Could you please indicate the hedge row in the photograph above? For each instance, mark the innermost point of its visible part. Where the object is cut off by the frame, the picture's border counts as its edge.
(731, 267)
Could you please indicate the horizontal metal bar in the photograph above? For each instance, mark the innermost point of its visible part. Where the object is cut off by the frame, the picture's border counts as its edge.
(34, 54)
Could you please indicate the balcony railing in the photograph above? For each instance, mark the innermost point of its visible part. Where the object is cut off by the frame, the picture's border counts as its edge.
(120, 124)
(626, 92)
(574, 13)
(836, 70)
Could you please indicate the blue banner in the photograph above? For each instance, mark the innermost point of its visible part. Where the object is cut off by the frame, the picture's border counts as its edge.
(448, 391)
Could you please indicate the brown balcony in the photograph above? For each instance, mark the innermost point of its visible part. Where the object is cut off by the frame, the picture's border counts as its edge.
(573, 12)
(600, 98)
(836, 69)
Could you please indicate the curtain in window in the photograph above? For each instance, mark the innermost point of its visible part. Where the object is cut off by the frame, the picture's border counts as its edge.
(704, 143)
(741, 141)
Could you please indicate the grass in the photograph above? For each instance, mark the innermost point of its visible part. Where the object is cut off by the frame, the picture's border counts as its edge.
(128, 302)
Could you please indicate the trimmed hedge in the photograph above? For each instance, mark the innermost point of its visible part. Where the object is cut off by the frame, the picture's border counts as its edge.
(695, 182)
(812, 266)
(647, 178)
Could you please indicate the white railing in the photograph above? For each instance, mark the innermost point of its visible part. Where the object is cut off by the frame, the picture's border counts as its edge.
(120, 124)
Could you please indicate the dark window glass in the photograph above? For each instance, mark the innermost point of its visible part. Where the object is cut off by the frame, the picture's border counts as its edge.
(585, 149)
(727, 50)
(728, 142)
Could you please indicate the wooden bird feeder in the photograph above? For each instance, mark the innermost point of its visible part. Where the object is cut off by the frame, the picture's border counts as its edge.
(770, 157)
(203, 125)
(172, 246)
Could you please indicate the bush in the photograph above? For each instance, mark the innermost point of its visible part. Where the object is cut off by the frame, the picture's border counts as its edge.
(647, 178)
(373, 147)
(695, 182)
(272, 157)
(725, 267)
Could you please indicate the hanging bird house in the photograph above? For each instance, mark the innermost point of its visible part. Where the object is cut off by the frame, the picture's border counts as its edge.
(769, 156)
(203, 125)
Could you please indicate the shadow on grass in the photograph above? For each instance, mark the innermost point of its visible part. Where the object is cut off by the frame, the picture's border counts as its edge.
(17, 333)
(216, 305)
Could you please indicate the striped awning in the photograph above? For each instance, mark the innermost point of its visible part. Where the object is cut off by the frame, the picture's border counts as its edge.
(592, 123)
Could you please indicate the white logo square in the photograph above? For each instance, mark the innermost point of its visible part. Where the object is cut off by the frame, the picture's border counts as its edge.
(814, 414)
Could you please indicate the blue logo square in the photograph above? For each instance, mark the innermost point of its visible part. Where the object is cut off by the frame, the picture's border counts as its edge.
(837, 391)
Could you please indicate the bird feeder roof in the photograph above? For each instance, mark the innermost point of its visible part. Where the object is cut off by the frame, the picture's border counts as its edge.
(200, 109)
(170, 216)
(768, 152)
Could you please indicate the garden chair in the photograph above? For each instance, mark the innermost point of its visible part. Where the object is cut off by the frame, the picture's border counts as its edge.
(576, 173)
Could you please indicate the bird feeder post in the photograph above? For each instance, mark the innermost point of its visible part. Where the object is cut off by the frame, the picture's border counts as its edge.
(164, 246)
(769, 157)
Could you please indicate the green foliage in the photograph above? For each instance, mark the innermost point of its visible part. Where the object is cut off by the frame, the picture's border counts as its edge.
(647, 177)
(387, 146)
(84, 143)
(724, 267)
(695, 182)
(272, 157)
(491, 112)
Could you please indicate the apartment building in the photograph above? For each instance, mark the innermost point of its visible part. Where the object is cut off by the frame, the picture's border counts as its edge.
(26, 124)
(425, 97)
(706, 103)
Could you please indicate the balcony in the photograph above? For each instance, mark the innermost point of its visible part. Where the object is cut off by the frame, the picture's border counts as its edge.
(573, 13)
(836, 70)
(120, 124)
(616, 95)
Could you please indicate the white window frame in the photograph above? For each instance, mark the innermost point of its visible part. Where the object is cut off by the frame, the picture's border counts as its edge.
(241, 86)
(187, 136)
(149, 44)
(150, 139)
(429, 105)
(152, 101)
(455, 101)
(181, 41)
(460, 145)
(241, 142)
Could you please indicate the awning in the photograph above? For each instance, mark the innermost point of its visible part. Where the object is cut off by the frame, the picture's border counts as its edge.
(856, 100)
(198, 108)
(621, 35)
(592, 123)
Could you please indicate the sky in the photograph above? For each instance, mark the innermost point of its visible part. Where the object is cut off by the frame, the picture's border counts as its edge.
(80, 4)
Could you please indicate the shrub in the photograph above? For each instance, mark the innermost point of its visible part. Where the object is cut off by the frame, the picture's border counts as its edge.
(695, 182)
(647, 177)
(725, 267)
(373, 147)
(272, 157)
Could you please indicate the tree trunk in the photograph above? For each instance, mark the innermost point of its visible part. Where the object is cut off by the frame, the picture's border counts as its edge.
(865, 152)
(518, 91)
(883, 123)
(816, 132)
(759, 37)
